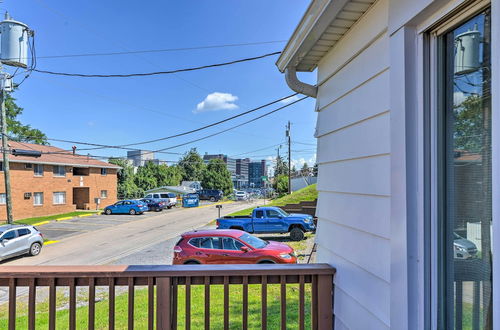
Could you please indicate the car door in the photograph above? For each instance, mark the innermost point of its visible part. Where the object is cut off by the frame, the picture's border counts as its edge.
(8, 244)
(115, 208)
(275, 221)
(23, 235)
(260, 222)
(232, 253)
(208, 250)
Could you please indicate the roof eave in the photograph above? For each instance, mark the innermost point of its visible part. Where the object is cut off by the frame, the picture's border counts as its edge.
(313, 24)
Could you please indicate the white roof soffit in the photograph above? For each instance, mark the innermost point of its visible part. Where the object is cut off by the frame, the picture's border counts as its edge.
(321, 27)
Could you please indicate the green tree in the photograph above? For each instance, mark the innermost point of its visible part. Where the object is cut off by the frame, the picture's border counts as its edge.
(145, 178)
(305, 169)
(217, 176)
(281, 167)
(280, 184)
(18, 131)
(126, 185)
(192, 166)
(469, 124)
(168, 175)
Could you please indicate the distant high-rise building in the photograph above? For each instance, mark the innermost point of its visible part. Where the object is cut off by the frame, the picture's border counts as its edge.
(256, 170)
(230, 163)
(140, 157)
(242, 173)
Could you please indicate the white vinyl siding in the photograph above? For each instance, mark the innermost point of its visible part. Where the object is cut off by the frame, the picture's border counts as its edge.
(59, 197)
(38, 198)
(354, 179)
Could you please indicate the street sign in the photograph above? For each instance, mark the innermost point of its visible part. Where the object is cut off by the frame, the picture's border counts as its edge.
(218, 206)
(264, 178)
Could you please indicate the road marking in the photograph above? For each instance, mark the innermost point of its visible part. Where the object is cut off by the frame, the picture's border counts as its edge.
(50, 242)
(65, 218)
(41, 223)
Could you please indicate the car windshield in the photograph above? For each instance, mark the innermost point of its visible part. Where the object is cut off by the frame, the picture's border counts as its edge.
(253, 241)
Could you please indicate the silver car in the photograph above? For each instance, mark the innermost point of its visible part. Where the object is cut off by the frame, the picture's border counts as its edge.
(17, 240)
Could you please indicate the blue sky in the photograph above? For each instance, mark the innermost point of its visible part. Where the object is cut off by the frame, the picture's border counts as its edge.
(119, 111)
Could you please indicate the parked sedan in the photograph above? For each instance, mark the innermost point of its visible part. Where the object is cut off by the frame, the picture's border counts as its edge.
(153, 205)
(126, 206)
(230, 247)
(17, 240)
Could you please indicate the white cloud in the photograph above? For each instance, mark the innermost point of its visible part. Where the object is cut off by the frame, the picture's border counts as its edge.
(298, 163)
(458, 98)
(289, 99)
(217, 101)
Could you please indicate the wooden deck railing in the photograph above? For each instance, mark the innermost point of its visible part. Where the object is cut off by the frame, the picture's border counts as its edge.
(312, 287)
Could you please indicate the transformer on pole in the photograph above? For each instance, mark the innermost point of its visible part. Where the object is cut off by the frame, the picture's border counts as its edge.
(13, 52)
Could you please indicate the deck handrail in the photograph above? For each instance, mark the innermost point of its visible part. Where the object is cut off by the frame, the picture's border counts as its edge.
(166, 280)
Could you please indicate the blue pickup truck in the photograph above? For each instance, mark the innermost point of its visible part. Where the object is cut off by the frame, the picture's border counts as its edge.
(267, 220)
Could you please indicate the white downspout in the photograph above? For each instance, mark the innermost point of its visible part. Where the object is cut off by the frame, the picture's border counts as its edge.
(297, 85)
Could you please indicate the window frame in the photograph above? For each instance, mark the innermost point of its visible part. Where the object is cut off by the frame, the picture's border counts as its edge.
(38, 173)
(58, 192)
(104, 171)
(429, 39)
(34, 198)
(57, 173)
(106, 195)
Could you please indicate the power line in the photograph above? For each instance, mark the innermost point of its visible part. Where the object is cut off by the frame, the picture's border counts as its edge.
(203, 127)
(157, 72)
(164, 50)
(249, 152)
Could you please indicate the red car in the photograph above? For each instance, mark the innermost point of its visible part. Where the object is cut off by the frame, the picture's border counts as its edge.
(230, 247)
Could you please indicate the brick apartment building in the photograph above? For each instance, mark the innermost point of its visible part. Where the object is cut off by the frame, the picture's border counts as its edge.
(57, 182)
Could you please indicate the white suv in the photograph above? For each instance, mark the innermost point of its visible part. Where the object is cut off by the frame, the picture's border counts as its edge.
(169, 198)
(17, 240)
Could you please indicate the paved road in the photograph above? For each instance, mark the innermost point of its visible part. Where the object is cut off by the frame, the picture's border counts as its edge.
(116, 241)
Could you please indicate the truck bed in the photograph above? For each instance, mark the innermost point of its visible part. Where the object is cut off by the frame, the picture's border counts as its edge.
(237, 217)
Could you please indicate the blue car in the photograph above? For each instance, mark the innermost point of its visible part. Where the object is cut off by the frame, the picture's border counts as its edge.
(126, 206)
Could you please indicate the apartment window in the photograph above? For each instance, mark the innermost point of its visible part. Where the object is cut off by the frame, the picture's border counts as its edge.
(59, 170)
(38, 169)
(104, 194)
(3, 199)
(104, 171)
(464, 168)
(1, 166)
(59, 197)
(38, 198)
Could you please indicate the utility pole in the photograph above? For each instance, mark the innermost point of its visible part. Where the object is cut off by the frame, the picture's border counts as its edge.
(289, 158)
(5, 152)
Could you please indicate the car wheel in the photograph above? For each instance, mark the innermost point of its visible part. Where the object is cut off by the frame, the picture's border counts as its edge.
(169, 207)
(157, 209)
(191, 263)
(107, 212)
(296, 234)
(132, 212)
(266, 262)
(35, 249)
(212, 199)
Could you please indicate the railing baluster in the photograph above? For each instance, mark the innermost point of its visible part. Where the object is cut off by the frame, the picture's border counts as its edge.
(475, 306)
(151, 303)
(175, 292)
(283, 301)
(12, 304)
(32, 304)
(91, 303)
(207, 302)
(163, 303)
(458, 304)
(131, 292)
(52, 304)
(264, 302)
(245, 302)
(111, 309)
(188, 303)
(72, 304)
(226, 302)
(302, 319)
(314, 302)
(325, 301)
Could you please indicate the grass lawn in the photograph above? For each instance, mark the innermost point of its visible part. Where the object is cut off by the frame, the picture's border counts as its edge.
(197, 309)
(308, 193)
(30, 221)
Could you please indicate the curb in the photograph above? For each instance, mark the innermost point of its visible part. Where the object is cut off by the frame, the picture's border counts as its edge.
(41, 223)
(86, 215)
(50, 242)
(228, 202)
(65, 218)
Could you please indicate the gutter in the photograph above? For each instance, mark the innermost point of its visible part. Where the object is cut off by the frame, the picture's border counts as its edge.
(298, 86)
